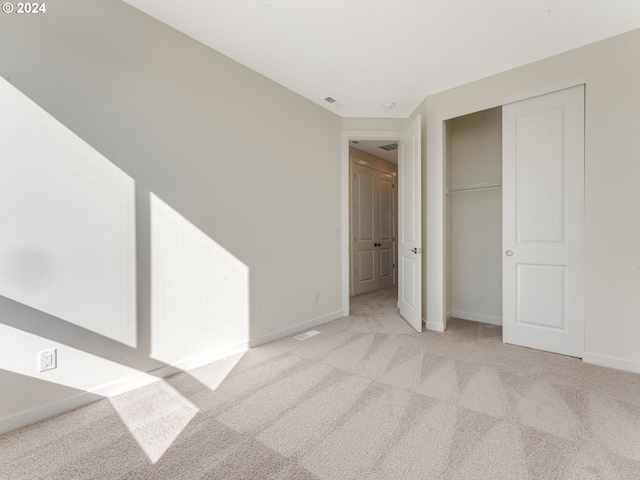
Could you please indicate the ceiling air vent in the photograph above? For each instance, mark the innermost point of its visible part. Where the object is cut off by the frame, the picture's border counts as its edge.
(388, 148)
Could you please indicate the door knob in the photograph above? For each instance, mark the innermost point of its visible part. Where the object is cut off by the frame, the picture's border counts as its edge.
(509, 253)
(416, 250)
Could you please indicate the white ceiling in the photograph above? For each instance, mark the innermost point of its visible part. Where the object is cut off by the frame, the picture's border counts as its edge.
(365, 53)
(372, 147)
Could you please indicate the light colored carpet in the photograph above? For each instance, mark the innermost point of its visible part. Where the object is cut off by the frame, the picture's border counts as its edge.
(366, 399)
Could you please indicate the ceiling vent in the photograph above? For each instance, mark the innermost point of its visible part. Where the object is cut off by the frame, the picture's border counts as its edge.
(388, 148)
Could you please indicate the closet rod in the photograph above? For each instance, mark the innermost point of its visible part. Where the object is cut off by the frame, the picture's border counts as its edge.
(474, 187)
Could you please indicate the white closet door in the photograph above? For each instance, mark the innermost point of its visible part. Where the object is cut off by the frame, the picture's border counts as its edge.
(543, 222)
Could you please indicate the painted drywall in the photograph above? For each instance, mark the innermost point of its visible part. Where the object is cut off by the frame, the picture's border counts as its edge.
(67, 240)
(359, 123)
(372, 161)
(231, 183)
(475, 149)
(448, 227)
(611, 71)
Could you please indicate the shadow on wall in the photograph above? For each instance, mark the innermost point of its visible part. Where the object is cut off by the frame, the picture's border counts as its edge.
(99, 268)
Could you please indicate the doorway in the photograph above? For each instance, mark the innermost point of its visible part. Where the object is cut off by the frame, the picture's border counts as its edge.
(373, 210)
(346, 177)
(409, 218)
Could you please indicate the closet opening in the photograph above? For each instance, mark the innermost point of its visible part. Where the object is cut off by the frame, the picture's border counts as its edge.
(473, 217)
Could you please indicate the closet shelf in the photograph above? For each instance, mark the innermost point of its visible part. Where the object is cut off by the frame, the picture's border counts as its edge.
(474, 187)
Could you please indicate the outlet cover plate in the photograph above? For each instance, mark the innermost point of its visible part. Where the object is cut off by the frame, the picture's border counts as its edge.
(47, 359)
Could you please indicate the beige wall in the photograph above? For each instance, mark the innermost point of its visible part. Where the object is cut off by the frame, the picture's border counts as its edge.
(611, 71)
(235, 181)
(373, 124)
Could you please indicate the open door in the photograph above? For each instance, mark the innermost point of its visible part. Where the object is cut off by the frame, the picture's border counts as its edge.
(543, 222)
(410, 226)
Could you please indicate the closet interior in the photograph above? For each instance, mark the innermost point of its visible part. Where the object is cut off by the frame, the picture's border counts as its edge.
(473, 281)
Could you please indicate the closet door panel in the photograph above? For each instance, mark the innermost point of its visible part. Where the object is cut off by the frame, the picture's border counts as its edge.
(543, 224)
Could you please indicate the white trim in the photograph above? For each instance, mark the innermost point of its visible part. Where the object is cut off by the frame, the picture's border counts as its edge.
(434, 326)
(475, 317)
(41, 413)
(348, 135)
(182, 366)
(536, 92)
(270, 337)
(611, 362)
(46, 411)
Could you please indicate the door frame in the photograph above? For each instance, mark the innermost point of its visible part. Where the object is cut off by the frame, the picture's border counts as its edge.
(347, 137)
(436, 195)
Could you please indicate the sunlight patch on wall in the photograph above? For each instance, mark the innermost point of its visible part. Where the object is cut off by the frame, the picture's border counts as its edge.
(67, 232)
(199, 291)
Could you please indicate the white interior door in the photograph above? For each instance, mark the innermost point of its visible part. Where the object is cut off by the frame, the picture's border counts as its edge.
(373, 229)
(543, 222)
(410, 226)
(385, 229)
(363, 229)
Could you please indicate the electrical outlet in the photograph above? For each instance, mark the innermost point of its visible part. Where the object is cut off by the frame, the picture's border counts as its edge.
(316, 297)
(47, 360)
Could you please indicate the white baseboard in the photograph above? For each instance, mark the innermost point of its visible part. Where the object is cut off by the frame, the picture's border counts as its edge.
(26, 418)
(270, 337)
(41, 413)
(200, 360)
(434, 326)
(476, 317)
(46, 411)
(611, 362)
